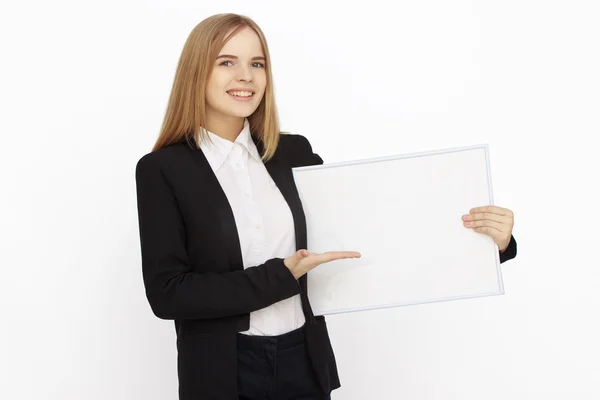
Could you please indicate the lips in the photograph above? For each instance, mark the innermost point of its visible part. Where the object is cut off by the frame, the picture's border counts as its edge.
(231, 91)
(244, 98)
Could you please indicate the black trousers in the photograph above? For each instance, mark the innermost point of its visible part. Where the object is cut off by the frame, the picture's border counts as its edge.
(276, 368)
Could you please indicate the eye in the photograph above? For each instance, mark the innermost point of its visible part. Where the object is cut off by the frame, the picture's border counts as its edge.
(260, 65)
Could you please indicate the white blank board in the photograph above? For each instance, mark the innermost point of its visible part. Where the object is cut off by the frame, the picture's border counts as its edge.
(403, 213)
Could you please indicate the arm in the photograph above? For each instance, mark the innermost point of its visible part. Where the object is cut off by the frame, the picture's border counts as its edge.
(173, 289)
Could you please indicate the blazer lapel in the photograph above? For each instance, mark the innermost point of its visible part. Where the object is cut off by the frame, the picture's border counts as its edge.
(213, 192)
(284, 179)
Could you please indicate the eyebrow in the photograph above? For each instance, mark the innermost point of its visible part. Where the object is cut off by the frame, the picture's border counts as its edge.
(236, 57)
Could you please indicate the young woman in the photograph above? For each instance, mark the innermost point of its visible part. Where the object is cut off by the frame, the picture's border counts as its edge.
(223, 232)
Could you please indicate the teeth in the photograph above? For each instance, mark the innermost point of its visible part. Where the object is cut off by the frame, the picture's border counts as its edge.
(241, 94)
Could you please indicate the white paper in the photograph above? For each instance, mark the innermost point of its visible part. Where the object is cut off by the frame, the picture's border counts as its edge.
(403, 213)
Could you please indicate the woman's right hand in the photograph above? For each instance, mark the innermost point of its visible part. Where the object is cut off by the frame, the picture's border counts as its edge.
(303, 261)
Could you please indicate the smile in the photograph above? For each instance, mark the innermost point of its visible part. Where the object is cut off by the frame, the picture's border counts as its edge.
(241, 95)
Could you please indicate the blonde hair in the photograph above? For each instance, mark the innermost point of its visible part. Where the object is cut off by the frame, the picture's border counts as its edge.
(186, 111)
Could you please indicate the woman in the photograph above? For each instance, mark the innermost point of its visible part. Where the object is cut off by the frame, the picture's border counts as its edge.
(223, 232)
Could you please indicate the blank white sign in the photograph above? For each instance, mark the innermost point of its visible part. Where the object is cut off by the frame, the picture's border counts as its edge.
(403, 213)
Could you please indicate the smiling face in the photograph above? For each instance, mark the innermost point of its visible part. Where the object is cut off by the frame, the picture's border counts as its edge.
(237, 83)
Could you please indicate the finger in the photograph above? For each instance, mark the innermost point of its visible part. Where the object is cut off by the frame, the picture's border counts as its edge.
(490, 231)
(336, 255)
(499, 237)
(346, 254)
(487, 223)
(491, 209)
(487, 216)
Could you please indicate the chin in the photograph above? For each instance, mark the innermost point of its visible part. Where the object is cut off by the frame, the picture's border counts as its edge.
(239, 115)
(242, 114)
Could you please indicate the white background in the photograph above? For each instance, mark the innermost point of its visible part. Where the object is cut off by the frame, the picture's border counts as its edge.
(83, 90)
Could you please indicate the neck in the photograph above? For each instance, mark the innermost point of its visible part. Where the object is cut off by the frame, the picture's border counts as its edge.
(227, 127)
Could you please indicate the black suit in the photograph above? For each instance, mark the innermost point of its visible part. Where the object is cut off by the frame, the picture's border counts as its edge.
(193, 270)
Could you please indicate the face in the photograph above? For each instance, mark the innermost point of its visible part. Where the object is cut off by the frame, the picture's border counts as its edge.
(239, 71)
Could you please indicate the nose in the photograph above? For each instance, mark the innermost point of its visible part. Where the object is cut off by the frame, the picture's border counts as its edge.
(244, 74)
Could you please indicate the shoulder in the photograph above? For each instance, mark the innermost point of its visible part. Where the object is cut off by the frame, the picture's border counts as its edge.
(164, 159)
(297, 150)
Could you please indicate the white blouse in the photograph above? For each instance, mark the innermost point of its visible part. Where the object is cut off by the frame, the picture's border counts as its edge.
(263, 219)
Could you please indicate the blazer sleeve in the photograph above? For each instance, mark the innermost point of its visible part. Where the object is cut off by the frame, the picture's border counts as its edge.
(173, 289)
(510, 252)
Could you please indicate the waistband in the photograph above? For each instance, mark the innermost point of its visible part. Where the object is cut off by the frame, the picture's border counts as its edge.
(281, 342)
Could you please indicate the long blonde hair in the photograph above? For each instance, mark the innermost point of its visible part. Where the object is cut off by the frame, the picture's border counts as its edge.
(186, 111)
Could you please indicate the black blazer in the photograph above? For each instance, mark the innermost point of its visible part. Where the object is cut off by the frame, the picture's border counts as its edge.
(193, 270)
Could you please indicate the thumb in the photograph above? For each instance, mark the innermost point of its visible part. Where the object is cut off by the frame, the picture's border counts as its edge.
(302, 253)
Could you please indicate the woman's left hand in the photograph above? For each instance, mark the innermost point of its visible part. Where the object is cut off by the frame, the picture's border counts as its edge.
(493, 221)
